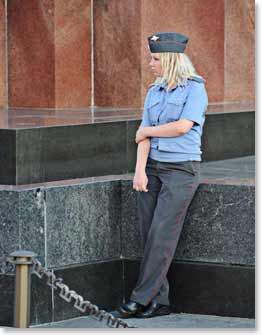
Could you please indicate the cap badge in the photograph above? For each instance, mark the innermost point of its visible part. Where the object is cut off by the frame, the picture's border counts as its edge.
(154, 38)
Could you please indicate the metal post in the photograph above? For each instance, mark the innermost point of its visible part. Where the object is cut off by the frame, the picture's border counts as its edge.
(22, 260)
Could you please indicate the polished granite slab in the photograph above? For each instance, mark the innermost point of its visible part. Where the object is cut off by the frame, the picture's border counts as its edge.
(51, 153)
(24, 118)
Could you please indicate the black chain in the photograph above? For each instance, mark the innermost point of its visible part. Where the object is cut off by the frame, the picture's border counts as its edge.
(68, 295)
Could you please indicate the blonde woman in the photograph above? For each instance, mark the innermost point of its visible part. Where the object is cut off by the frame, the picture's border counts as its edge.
(167, 168)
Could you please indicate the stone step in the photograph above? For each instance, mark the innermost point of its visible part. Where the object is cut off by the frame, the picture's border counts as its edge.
(180, 320)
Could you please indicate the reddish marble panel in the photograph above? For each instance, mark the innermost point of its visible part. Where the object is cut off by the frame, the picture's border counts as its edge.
(2, 55)
(203, 22)
(240, 50)
(72, 53)
(31, 63)
(117, 52)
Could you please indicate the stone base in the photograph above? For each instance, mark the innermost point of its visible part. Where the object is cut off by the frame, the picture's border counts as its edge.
(205, 288)
(87, 232)
(195, 287)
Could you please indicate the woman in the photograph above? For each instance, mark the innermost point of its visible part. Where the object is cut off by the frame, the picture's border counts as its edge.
(167, 168)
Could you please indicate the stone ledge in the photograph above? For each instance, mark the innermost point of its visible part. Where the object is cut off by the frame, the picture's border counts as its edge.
(219, 226)
(75, 224)
(80, 151)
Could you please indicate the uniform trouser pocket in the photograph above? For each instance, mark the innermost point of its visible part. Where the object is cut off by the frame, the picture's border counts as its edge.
(189, 167)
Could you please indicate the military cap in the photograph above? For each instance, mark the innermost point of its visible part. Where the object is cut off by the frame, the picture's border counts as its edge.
(167, 42)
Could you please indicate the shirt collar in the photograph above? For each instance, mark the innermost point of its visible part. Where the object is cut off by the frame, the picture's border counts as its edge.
(162, 86)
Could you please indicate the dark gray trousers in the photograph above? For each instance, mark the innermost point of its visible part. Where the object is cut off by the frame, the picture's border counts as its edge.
(161, 214)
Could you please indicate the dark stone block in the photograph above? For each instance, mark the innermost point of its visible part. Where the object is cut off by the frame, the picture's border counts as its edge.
(66, 152)
(131, 273)
(30, 156)
(197, 288)
(132, 127)
(22, 222)
(78, 151)
(220, 226)
(204, 288)
(101, 284)
(130, 236)
(84, 150)
(41, 301)
(228, 135)
(8, 157)
(83, 223)
(32, 216)
(7, 286)
(9, 222)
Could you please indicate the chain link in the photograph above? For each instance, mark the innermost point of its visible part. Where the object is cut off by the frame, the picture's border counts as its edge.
(65, 293)
(68, 295)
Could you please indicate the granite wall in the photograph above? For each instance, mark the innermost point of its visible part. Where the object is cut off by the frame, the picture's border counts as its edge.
(95, 221)
(83, 52)
(87, 232)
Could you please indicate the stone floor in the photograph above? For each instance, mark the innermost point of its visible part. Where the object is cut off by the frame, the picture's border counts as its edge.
(234, 171)
(169, 321)
(237, 171)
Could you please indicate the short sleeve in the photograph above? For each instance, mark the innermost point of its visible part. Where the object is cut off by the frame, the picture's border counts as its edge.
(196, 104)
(145, 118)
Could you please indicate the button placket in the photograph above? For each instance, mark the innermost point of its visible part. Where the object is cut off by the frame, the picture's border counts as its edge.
(163, 104)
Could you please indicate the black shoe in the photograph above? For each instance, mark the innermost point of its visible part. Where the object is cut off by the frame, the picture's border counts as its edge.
(130, 309)
(154, 309)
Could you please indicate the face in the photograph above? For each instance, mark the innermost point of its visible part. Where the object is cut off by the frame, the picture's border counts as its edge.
(155, 64)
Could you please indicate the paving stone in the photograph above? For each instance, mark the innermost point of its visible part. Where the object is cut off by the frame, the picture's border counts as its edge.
(169, 321)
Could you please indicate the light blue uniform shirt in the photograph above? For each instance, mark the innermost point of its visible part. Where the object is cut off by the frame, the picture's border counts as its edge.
(187, 101)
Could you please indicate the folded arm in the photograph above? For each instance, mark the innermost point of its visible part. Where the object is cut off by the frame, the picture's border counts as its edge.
(171, 129)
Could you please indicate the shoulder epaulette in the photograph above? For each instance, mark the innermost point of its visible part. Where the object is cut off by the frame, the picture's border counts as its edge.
(151, 85)
(198, 79)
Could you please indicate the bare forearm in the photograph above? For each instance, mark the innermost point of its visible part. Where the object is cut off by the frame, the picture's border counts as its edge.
(172, 129)
(143, 149)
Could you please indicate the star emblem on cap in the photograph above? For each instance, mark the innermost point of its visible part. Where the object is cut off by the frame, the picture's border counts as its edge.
(154, 38)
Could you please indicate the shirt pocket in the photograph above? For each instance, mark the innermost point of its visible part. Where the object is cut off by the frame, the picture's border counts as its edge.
(154, 142)
(154, 111)
(174, 108)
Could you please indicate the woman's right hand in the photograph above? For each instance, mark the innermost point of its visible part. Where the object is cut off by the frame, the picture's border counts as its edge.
(140, 181)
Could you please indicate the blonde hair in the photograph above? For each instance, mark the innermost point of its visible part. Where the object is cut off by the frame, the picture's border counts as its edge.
(177, 68)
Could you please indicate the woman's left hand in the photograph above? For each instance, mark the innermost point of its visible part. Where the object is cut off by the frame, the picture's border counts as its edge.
(141, 134)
